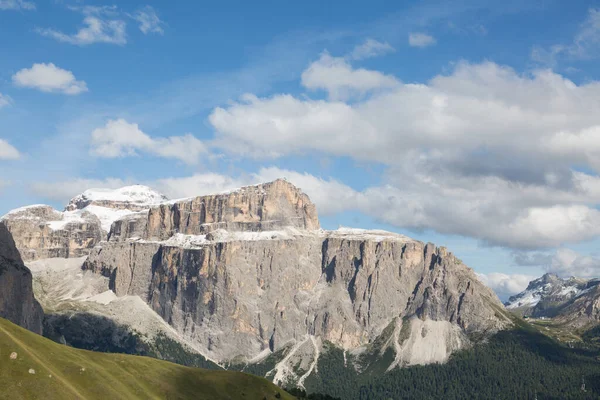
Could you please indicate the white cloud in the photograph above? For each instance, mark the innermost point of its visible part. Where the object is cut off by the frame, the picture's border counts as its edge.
(7, 151)
(340, 80)
(329, 195)
(482, 152)
(200, 184)
(49, 78)
(148, 20)
(371, 48)
(63, 191)
(100, 25)
(567, 263)
(585, 44)
(563, 262)
(16, 5)
(417, 39)
(4, 100)
(119, 138)
(506, 285)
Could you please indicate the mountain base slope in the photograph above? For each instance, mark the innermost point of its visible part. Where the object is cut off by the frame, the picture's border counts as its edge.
(33, 367)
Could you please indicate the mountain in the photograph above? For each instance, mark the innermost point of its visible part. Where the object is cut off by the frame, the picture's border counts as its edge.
(575, 301)
(17, 302)
(33, 367)
(249, 273)
(42, 232)
(248, 280)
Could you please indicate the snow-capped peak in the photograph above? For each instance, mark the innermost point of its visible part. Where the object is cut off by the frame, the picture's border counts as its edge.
(548, 288)
(135, 194)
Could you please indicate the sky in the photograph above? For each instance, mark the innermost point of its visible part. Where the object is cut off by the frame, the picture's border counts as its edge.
(470, 124)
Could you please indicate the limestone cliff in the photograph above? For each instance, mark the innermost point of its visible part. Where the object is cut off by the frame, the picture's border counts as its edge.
(249, 273)
(266, 206)
(241, 297)
(17, 303)
(42, 232)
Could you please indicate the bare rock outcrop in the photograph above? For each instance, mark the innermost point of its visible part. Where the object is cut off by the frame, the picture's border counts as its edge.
(42, 232)
(17, 303)
(267, 206)
(249, 272)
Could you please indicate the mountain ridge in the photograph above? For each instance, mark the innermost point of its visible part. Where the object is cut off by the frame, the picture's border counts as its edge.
(249, 273)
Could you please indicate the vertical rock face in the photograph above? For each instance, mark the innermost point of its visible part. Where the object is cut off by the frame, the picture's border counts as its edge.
(242, 297)
(128, 227)
(17, 303)
(42, 232)
(267, 206)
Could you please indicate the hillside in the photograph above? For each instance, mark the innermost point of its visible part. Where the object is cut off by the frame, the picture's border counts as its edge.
(44, 369)
(520, 363)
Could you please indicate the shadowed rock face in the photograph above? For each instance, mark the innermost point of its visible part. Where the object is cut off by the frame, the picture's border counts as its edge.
(17, 303)
(240, 292)
(268, 206)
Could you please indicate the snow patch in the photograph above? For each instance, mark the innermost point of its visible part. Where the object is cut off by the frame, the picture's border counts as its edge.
(138, 194)
(104, 297)
(107, 215)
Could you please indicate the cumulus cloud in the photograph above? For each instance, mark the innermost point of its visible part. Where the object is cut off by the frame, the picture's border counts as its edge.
(148, 20)
(506, 285)
(119, 138)
(7, 151)
(336, 76)
(417, 39)
(100, 25)
(563, 262)
(63, 191)
(329, 195)
(16, 5)
(49, 78)
(200, 184)
(483, 151)
(567, 262)
(4, 100)
(371, 48)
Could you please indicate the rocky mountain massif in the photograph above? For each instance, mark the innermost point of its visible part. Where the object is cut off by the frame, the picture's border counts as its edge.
(574, 301)
(17, 303)
(248, 276)
(42, 232)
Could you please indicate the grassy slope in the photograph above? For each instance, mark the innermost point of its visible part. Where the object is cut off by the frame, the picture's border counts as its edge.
(62, 372)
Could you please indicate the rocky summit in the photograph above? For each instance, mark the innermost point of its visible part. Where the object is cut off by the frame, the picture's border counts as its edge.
(42, 232)
(571, 300)
(248, 274)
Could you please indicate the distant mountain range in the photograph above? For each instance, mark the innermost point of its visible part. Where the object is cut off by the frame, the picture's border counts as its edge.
(572, 300)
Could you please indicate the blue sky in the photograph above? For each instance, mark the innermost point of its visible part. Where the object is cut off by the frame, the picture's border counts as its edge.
(470, 124)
